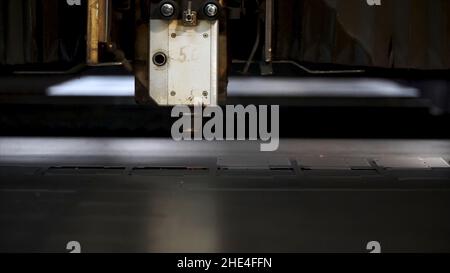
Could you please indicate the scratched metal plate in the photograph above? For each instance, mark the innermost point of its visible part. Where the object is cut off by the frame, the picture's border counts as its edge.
(190, 75)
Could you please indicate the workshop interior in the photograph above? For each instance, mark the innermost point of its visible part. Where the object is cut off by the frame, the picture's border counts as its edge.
(87, 155)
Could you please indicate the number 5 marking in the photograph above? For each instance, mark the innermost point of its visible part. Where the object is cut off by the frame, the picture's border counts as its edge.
(74, 247)
(374, 247)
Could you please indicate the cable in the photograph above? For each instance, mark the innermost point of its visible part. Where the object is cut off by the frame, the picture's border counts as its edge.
(257, 42)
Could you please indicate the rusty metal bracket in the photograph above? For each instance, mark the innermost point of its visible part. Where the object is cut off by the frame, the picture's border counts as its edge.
(97, 28)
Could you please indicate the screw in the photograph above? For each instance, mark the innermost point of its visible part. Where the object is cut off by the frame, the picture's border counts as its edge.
(173, 35)
(173, 93)
(211, 10)
(167, 10)
(205, 35)
(205, 93)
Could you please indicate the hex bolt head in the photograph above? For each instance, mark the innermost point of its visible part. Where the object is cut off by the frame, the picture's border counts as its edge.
(211, 10)
(167, 10)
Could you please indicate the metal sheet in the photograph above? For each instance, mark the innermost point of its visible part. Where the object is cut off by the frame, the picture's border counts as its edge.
(247, 162)
(215, 213)
(402, 162)
(332, 163)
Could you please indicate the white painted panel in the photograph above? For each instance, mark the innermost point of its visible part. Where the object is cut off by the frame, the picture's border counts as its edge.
(191, 73)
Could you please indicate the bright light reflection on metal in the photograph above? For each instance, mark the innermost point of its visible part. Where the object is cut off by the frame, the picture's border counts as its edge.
(94, 86)
(318, 87)
(123, 86)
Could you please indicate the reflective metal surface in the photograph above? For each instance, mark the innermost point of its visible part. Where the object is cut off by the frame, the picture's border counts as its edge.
(123, 86)
(144, 195)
